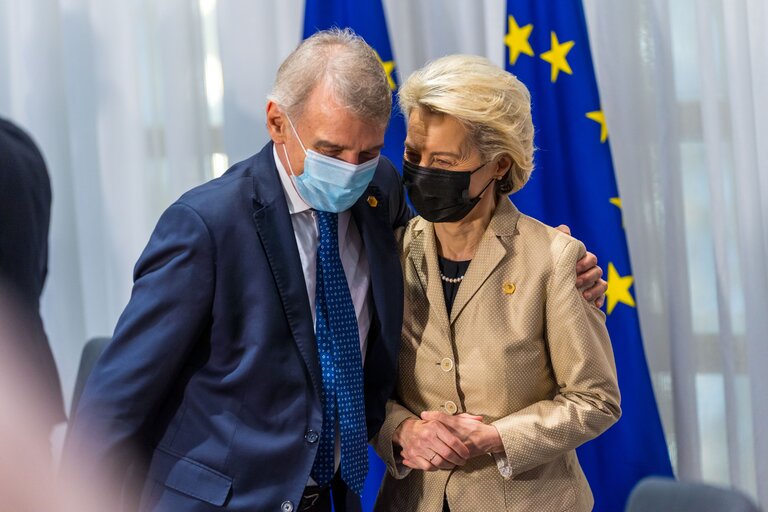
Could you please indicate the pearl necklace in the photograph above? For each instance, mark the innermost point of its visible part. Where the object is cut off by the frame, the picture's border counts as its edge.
(452, 280)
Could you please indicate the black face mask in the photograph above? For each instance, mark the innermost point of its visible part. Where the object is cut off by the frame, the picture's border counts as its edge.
(439, 195)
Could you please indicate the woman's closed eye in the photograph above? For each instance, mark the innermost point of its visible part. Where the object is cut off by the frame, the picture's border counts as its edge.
(443, 163)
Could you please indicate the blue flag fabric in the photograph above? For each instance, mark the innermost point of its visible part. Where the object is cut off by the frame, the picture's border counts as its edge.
(366, 18)
(573, 183)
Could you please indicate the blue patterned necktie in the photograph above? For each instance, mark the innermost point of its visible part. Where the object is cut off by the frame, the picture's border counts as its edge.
(338, 344)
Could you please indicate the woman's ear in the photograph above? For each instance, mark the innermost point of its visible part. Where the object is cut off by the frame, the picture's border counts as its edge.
(503, 166)
(276, 123)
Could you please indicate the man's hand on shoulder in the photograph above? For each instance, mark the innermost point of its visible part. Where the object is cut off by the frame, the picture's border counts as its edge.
(589, 276)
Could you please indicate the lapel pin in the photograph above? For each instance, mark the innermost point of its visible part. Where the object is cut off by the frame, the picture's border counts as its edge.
(509, 288)
(373, 202)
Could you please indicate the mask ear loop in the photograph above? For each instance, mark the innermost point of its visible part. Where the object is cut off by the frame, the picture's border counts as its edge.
(290, 167)
(287, 159)
(480, 195)
(295, 132)
(285, 150)
(473, 171)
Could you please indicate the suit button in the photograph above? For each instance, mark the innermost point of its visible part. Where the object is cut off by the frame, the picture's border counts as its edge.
(312, 436)
(450, 407)
(446, 364)
(287, 506)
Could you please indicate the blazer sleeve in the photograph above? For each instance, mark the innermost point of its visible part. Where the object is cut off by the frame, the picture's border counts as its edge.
(382, 443)
(587, 401)
(168, 312)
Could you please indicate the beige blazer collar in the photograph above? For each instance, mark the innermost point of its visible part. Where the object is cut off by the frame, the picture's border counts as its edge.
(490, 252)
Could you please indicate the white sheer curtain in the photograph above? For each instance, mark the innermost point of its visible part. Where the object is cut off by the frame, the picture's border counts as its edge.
(114, 93)
(683, 86)
(134, 102)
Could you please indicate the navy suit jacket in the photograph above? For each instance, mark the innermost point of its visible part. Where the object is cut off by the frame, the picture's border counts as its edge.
(213, 368)
(25, 211)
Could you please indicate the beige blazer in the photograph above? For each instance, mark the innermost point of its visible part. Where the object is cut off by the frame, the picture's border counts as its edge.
(522, 348)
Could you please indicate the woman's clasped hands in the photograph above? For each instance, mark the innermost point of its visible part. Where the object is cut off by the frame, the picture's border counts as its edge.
(443, 441)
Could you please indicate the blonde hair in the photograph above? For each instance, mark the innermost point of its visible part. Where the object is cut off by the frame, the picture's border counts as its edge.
(343, 60)
(491, 103)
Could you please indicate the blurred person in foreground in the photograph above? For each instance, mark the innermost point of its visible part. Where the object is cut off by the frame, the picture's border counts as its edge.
(28, 480)
(25, 211)
(259, 348)
(499, 348)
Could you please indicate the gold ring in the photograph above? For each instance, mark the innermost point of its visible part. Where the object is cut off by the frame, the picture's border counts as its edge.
(433, 456)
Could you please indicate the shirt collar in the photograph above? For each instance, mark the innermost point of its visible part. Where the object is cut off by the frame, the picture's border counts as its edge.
(295, 203)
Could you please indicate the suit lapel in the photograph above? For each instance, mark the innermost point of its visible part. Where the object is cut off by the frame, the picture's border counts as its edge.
(489, 254)
(273, 223)
(381, 251)
(423, 255)
(416, 254)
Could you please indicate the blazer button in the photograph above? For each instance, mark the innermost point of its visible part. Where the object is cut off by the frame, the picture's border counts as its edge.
(446, 364)
(287, 506)
(450, 407)
(311, 436)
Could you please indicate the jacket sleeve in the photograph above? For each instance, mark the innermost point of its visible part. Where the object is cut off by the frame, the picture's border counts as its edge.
(169, 310)
(382, 443)
(587, 401)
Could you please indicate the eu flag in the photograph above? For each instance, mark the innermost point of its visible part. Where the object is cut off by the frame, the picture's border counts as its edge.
(366, 18)
(573, 183)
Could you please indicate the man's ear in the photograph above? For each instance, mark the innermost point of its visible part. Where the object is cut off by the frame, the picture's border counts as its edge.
(276, 123)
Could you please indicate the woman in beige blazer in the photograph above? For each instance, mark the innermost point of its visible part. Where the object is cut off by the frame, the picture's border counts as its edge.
(505, 368)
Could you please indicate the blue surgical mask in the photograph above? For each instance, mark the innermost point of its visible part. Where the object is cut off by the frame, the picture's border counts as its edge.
(329, 184)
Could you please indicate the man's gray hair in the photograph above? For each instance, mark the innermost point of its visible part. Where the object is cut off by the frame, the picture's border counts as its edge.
(345, 62)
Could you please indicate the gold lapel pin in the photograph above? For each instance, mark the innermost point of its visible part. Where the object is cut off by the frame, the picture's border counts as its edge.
(509, 288)
(373, 202)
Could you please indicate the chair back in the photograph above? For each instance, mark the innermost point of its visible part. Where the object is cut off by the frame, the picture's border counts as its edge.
(655, 494)
(91, 352)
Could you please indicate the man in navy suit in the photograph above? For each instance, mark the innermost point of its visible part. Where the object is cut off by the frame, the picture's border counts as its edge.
(25, 212)
(242, 326)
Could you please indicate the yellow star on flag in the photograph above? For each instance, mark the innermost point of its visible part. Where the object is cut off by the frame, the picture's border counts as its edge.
(599, 117)
(389, 67)
(517, 39)
(618, 289)
(556, 56)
